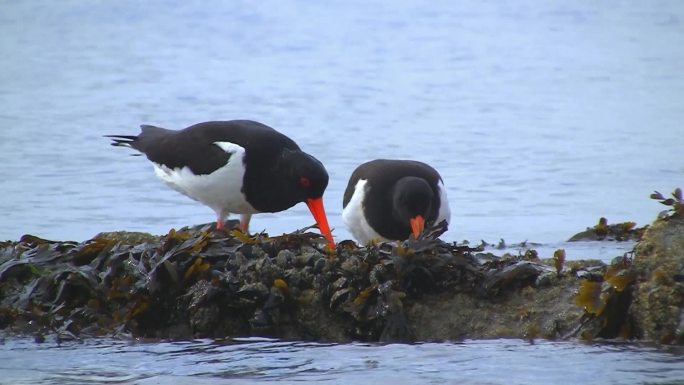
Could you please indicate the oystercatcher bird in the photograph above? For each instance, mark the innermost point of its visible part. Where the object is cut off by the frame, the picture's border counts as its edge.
(392, 199)
(238, 166)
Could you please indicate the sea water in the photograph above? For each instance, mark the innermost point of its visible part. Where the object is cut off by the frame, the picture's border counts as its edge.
(541, 117)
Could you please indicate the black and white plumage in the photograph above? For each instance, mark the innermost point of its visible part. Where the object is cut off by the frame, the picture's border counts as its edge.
(392, 199)
(238, 166)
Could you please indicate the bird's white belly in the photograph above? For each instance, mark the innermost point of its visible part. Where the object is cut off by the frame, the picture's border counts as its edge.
(355, 220)
(444, 213)
(220, 190)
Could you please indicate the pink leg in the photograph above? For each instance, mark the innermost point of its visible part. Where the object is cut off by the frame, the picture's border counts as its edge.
(244, 222)
(221, 220)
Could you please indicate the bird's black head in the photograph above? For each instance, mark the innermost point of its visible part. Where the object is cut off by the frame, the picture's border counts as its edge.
(307, 179)
(411, 196)
(307, 176)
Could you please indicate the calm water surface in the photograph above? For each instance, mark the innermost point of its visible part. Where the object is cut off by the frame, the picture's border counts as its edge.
(259, 361)
(541, 116)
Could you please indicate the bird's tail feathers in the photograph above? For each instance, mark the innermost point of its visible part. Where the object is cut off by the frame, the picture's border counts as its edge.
(124, 141)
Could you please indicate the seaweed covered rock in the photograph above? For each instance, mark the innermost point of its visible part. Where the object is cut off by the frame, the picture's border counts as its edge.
(198, 282)
(659, 302)
(603, 231)
(203, 283)
(641, 294)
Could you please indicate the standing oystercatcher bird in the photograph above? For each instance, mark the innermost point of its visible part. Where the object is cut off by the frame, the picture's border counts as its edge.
(392, 199)
(238, 166)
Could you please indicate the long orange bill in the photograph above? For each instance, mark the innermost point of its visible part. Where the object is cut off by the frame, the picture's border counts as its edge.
(318, 212)
(417, 225)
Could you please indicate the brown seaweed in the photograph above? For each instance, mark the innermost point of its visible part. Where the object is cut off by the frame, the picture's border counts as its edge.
(199, 282)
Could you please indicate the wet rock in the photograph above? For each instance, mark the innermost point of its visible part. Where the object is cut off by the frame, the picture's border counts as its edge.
(456, 315)
(203, 309)
(320, 265)
(546, 279)
(199, 282)
(659, 298)
(253, 292)
(615, 232)
(517, 274)
(285, 258)
(127, 237)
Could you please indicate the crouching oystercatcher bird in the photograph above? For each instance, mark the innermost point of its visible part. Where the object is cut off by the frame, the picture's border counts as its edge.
(238, 166)
(392, 199)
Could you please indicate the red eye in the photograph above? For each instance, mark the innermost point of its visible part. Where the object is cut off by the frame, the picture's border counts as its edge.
(304, 182)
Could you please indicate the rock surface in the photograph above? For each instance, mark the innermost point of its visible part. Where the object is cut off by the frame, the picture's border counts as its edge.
(202, 283)
(659, 302)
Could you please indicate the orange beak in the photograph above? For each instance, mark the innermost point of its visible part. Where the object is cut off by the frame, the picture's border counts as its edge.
(417, 225)
(318, 212)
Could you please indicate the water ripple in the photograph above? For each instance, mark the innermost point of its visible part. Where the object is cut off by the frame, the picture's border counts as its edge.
(194, 362)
